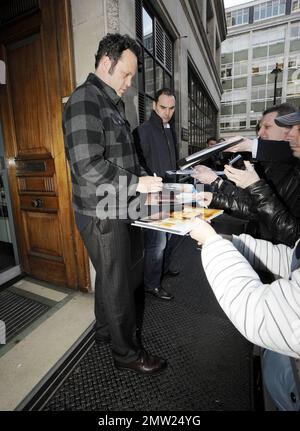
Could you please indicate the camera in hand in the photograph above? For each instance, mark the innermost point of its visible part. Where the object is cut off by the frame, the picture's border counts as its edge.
(237, 162)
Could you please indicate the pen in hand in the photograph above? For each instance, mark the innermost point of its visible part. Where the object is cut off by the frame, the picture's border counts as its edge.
(202, 203)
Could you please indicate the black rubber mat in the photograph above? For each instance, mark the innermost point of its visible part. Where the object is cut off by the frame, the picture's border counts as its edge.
(18, 312)
(209, 362)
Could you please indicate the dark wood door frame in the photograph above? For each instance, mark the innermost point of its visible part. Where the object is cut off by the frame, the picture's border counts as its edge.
(60, 9)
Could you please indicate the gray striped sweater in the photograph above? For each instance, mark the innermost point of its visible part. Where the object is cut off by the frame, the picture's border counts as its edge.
(266, 314)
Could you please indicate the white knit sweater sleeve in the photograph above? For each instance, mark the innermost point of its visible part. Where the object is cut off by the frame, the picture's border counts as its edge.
(263, 255)
(266, 314)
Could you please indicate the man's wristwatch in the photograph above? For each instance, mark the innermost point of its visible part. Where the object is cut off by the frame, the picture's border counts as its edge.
(217, 182)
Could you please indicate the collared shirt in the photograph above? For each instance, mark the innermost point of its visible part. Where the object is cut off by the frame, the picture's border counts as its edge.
(254, 147)
(99, 147)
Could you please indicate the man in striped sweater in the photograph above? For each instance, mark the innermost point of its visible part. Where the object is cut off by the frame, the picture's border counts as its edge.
(266, 314)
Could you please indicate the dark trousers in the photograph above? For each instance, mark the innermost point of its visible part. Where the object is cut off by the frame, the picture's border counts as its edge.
(157, 257)
(109, 245)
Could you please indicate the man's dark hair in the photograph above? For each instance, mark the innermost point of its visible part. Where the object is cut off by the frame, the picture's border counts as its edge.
(283, 109)
(166, 91)
(113, 45)
(212, 138)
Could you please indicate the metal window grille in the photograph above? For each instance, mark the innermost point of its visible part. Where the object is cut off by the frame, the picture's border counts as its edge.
(11, 9)
(157, 46)
(202, 114)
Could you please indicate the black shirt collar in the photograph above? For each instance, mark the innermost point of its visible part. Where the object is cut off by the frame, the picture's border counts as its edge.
(155, 119)
(158, 122)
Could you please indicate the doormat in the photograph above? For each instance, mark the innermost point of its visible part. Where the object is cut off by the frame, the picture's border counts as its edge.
(17, 312)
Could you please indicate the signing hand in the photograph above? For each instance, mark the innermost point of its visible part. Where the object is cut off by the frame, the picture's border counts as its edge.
(242, 178)
(149, 184)
(204, 174)
(202, 231)
(204, 198)
(245, 145)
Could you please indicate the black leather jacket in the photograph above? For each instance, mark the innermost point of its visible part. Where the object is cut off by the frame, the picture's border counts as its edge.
(275, 205)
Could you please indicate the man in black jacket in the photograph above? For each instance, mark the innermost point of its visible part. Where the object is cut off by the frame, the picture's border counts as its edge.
(156, 146)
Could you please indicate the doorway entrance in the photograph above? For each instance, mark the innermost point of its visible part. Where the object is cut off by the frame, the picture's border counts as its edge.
(36, 47)
(9, 259)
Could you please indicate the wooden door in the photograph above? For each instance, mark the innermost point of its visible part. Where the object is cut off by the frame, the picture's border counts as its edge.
(37, 53)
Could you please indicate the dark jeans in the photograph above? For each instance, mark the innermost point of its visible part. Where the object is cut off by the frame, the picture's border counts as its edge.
(157, 257)
(110, 247)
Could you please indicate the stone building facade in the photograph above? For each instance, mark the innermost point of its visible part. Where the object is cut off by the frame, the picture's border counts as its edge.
(261, 34)
(181, 43)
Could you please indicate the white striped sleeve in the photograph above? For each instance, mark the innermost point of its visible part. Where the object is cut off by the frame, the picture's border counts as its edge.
(266, 314)
(263, 255)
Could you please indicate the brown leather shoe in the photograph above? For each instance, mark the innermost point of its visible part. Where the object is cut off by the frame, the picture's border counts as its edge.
(144, 364)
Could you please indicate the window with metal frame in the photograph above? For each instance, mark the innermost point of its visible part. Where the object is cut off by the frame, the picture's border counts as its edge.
(202, 114)
(269, 9)
(156, 68)
(237, 17)
(295, 5)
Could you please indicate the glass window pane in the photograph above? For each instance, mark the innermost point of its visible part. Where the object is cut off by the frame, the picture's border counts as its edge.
(276, 48)
(148, 108)
(153, 74)
(258, 79)
(294, 101)
(240, 83)
(227, 58)
(148, 31)
(159, 77)
(226, 109)
(269, 10)
(241, 55)
(295, 30)
(261, 51)
(227, 85)
(254, 94)
(149, 75)
(295, 45)
(239, 108)
(282, 7)
(295, 5)
(141, 77)
(291, 74)
(168, 81)
(258, 106)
